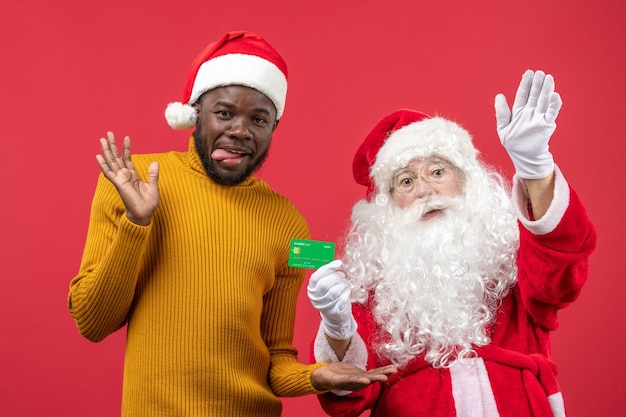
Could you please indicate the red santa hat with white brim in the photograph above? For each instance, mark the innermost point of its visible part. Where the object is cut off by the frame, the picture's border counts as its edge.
(405, 135)
(237, 58)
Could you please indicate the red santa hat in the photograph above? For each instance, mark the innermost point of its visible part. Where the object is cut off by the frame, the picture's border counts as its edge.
(405, 135)
(237, 58)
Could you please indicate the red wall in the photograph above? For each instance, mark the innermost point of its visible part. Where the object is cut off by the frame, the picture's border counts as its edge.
(73, 69)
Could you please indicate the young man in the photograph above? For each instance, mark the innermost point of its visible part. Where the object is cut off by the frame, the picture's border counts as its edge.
(190, 251)
(444, 284)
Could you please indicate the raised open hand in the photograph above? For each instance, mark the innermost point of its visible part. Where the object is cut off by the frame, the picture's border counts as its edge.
(140, 198)
(526, 128)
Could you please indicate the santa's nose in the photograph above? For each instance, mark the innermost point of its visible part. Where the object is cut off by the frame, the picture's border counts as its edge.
(423, 188)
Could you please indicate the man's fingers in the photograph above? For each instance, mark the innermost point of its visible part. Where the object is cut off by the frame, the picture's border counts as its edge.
(383, 371)
(103, 165)
(377, 374)
(109, 152)
(127, 159)
(153, 173)
(108, 155)
(115, 159)
(112, 145)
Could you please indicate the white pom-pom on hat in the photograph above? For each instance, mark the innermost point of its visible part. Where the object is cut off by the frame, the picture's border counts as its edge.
(181, 116)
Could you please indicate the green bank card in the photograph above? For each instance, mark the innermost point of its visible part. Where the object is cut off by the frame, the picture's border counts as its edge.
(310, 253)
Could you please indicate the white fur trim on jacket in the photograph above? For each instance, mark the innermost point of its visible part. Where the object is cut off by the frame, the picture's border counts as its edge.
(471, 389)
(555, 212)
(557, 404)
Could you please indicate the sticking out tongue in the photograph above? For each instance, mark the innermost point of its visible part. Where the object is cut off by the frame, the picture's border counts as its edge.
(224, 155)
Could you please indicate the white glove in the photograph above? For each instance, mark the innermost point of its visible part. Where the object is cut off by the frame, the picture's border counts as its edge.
(526, 129)
(329, 293)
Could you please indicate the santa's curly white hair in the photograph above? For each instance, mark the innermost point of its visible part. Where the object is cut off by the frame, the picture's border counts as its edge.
(434, 286)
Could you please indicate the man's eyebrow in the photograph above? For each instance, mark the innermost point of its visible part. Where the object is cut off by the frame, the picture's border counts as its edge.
(231, 105)
(262, 110)
(224, 103)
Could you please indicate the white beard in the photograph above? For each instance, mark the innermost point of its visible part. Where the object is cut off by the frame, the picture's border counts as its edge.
(437, 283)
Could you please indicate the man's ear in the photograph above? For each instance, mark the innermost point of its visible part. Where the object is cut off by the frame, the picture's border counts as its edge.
(196, 106)
(275, 124)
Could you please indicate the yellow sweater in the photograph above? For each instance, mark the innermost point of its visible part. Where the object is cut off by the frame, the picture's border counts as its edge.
(204, 289)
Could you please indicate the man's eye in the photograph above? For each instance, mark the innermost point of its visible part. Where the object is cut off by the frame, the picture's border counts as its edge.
(259, 120)
(223, 113)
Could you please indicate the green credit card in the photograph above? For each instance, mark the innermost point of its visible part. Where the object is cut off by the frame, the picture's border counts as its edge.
(310, 253)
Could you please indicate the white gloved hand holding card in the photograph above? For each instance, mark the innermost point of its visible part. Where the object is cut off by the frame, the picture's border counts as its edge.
(329, 293)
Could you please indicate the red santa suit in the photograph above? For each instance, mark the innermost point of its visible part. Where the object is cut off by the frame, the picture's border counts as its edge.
(514, 374)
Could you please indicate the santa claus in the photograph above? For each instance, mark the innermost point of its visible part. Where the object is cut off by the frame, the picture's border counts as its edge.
(450, 277)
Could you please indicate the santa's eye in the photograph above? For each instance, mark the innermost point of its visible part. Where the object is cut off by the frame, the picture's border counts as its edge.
(403, 182)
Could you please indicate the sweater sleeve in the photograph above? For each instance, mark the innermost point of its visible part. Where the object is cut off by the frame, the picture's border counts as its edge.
(288, 377)
(101, 294)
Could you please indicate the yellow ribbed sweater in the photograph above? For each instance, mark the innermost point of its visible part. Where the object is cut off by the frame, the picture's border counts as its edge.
(205, 291)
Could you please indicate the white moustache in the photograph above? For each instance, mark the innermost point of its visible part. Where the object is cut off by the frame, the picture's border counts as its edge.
(425, 205)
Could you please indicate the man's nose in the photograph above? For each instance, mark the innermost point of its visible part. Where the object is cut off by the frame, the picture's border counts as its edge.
(239, 129)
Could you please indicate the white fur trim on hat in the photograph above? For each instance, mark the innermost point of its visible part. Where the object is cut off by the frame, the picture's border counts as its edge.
(422, 139)
(232, 69)
(241, 69)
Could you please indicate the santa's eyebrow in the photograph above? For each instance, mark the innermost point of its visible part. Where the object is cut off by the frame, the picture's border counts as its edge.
(438, 159)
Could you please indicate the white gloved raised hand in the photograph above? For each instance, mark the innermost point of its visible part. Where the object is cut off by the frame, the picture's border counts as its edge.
(525, 129)
(329, 293)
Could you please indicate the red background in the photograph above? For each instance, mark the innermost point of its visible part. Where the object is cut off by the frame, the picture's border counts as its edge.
(73, 69)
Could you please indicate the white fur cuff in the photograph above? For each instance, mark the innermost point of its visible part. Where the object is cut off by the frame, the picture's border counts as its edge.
(555, 212)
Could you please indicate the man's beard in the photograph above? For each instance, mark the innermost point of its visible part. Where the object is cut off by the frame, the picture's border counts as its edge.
(436, 283)
(209, 164)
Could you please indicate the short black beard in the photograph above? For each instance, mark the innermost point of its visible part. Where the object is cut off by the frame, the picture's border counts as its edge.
(209, 163)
